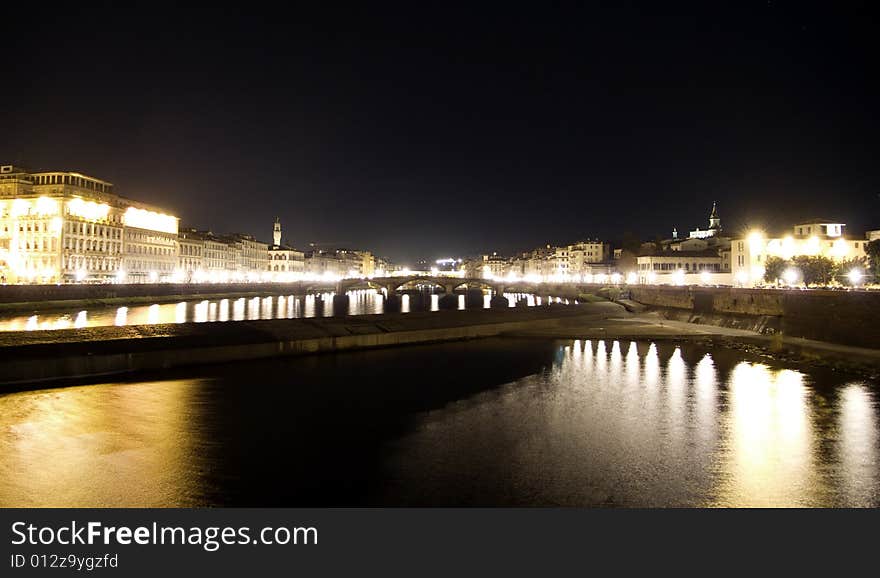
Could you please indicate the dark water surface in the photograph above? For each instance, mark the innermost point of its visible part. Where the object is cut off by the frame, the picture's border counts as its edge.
(491, 422)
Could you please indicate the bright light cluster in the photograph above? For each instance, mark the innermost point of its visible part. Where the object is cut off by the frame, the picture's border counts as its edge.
(788, 247)
(143, 219)
(88, 210)
(41, 207)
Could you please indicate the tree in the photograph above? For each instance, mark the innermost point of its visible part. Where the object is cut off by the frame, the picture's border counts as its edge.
(873, 251)
(773, 269)
(815, 270)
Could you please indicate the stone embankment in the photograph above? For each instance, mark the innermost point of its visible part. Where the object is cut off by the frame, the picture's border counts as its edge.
(841, 317)
(40, 356)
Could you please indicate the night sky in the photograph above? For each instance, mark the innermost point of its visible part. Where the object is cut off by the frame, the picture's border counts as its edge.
(428, 129)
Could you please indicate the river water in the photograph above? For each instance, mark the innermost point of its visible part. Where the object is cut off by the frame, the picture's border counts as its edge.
(361, 302)
(482, 423)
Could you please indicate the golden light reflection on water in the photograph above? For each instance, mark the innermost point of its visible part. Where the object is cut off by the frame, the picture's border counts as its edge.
(639, 424)
(857, 446)
(767, 453)
(606, 423)
(107, 445)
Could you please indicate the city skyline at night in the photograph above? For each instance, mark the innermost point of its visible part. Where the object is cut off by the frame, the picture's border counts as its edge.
(386, 130)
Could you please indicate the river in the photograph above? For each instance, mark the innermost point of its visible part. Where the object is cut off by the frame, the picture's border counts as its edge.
(482, 423)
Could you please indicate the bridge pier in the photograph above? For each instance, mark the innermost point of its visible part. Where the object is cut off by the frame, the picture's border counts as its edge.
(392, 303)
(340, 304)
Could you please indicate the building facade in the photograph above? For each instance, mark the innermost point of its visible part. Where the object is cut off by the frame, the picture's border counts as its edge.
(815, 238)
(64, 227)
(683, 268)
(284, 260)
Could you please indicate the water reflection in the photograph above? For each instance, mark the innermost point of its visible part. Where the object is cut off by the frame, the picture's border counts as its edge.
(130, 444)
(360, 302)
(584, 422)
(658, 425)
(768, 453)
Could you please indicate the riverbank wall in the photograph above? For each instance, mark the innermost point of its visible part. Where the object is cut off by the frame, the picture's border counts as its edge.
(84, 353)
(19, 298)
(843, 317)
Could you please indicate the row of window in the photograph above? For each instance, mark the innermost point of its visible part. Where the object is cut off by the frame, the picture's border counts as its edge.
(677, 266)
(98, 245)
(92, 263)
(38, 245)
(80, 228)
(70, 180)
(135, 265)
(150, 250)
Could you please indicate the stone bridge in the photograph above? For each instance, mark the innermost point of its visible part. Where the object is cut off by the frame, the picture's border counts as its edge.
(393, 284)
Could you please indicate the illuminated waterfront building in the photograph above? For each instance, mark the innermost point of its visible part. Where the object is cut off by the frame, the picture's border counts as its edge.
(250, 258)
(819, 237)
(62, 227)
(584, 256)
(680, 267)
(284, 259)
(150, 245)
(192, 253)
(339, 263)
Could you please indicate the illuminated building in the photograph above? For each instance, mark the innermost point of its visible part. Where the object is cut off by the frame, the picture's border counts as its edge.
(192, 253)
(219, 260)
(250, 257)
(815, 238)
(493, 265)
(584, 256)
(339, 263)
(63, 227)
(284, 258)
(714, 229)
(681, 267)
(150, 244)
(872, 235)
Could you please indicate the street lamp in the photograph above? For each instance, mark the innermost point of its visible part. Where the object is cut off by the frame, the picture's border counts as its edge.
(855, 276)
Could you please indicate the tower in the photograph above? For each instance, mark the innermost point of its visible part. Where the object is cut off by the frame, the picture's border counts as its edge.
(276, 232)
(714, 220)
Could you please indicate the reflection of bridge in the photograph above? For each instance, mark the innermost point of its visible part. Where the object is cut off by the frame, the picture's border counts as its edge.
(393, 284)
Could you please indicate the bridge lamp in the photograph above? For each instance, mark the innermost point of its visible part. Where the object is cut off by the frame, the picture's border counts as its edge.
(615, 278)
(120, 276)
(153, 276)
(855, 276)
(791, 275)
(80, 275)
(742, 277)
(705, 277)
(652, 277)
(631, 278)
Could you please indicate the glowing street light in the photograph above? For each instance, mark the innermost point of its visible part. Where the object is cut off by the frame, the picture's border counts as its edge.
(855, 276)
(756, 241)
(678, 277)
(791, 275)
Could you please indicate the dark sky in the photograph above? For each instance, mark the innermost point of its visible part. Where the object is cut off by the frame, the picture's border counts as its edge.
(423, 129)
